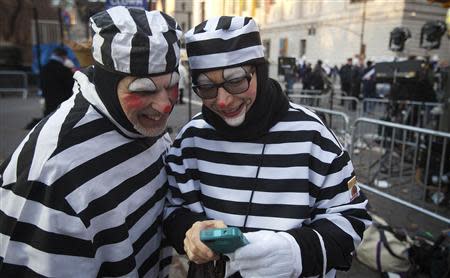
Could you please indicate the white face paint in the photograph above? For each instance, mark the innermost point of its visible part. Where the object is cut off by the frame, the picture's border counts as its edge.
(232, 108)
(147, 102)
(142, 85)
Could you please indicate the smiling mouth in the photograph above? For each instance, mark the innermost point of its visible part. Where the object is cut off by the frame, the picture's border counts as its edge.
(234, 112)
(154, 118)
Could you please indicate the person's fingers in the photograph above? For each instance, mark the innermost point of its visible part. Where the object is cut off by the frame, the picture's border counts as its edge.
(194, 248)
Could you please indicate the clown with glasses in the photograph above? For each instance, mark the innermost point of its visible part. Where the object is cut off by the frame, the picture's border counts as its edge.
(253, 160)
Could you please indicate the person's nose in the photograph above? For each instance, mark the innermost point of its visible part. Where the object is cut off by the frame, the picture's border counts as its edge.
(161, 102)
(224, 98)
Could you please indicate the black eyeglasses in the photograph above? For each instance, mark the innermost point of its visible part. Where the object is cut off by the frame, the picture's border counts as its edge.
(233, 86)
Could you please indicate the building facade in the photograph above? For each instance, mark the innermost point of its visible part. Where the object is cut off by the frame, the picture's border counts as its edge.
(331, 30)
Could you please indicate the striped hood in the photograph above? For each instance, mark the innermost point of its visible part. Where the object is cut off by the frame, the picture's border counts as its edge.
(224, 41)
(135, 42)
(83, 81)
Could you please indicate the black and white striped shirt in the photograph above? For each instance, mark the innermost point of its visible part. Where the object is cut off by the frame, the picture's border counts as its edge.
(78, 198)
(300, 178)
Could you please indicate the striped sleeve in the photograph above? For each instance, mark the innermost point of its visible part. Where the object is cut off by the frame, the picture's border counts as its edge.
(337, 224)
(177, 212)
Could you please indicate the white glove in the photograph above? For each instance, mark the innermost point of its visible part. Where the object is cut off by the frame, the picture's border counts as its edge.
(269, 254)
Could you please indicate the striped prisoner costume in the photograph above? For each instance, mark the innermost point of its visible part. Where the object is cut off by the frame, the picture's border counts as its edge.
(83, 197)
(296, 178)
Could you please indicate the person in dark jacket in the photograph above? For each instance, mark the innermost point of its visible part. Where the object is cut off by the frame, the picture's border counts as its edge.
(317, 77)
(345, 73)
(253, 160)
(56, 81)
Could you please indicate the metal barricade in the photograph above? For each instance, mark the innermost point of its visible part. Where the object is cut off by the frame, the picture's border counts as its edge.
(406, 164)
(414, 113)
(347, 104)
(310, 100)
(337, 121)
(14, 82)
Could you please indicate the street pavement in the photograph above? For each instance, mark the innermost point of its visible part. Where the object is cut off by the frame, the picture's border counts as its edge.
(16, 113)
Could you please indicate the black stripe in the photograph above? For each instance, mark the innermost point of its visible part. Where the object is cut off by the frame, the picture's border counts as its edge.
(198, 29)
(266, 210)
(357, 225)
(234, 182)
(140, 45)
(116, 269)
(94, 167)
(107, 31)
(140, 18)
(279, 137)
(218, 45)
(42, 240)
(171, 59)
(122, 192)
(170, 21)
(148, 264)
(83, 133)
(338, 244)
(147, 236)
(119, 233)
(296, 114)
(12, 270)
(270, 160)
(224, 23)
(140, 54)
(247, 20)
(309, 243)
(46, 195)
(165, 262)
(330, 192)
(25, 157)
(76, 113)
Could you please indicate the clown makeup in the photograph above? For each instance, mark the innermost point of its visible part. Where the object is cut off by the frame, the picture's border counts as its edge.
(147, 102)
(232, 108)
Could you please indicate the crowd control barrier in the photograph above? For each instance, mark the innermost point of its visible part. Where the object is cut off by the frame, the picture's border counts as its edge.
(337, 121)
(407, 164)
(14, 82)
(413, 113)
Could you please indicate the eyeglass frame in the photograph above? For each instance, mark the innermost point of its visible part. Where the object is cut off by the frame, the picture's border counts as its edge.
(248, 76)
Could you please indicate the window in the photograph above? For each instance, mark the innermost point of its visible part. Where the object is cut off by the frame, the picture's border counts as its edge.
(302, 48)
(183, 6)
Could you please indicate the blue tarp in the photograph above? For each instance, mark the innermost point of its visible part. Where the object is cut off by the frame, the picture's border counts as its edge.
(46, 52)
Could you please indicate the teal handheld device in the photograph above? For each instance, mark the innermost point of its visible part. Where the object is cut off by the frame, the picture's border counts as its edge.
(224, 240)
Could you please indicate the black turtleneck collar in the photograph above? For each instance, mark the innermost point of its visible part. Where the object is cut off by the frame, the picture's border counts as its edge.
(270, 105)
(106, 83)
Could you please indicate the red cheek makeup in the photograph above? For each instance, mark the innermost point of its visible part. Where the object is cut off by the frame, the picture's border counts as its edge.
(174, 93)
(133, 101)
(167, 108)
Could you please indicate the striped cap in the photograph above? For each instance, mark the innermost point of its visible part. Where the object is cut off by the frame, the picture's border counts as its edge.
(224, 41)
(135, 42)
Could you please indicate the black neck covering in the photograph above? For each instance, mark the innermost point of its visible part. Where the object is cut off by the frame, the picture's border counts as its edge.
(106, 83)
(270, 105)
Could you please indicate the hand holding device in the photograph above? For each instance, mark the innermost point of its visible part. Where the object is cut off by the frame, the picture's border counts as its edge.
(196, 250)
(224, 240)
